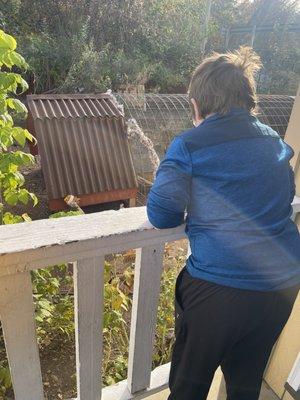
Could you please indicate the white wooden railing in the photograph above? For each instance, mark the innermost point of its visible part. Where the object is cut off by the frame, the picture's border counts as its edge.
(84, 240)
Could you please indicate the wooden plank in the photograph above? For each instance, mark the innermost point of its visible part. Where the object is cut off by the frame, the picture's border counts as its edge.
(95, 198)
(46, 242)
(49, 232)
(88, 285)
(132, 201)
(18, 324)
(148, 268)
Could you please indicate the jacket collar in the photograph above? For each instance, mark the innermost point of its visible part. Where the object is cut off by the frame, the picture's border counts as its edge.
(235, 112)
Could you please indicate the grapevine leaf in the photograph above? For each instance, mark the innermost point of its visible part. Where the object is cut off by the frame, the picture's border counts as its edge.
(22, 83)
(8, 81)
(19, 135)
(11, 197)
(18, 60)
(17, 105)
(7, 41)
(23, 196)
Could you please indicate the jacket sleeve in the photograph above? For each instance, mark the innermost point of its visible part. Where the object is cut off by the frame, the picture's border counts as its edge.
(170, 193)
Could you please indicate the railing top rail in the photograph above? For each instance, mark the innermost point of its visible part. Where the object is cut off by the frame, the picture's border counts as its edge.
(41, 243)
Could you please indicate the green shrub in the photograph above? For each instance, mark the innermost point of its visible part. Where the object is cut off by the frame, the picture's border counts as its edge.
(11, 179)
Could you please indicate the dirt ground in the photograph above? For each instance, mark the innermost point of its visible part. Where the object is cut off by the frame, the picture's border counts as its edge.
(58, 371)
(34, 182)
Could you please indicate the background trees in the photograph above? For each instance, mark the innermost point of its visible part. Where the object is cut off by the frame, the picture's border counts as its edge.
(97, 44)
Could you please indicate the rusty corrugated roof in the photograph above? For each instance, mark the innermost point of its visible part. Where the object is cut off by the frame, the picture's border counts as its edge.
(83, 144)
(73, 106)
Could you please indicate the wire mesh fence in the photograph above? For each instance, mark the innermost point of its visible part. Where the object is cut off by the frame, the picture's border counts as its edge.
(275, 111)
(161, 117)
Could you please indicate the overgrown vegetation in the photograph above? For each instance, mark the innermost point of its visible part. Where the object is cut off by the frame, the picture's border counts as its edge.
(107, 44)
(11, 180)
(12, 189)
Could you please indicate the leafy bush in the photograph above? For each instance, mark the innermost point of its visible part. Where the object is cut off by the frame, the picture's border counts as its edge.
(163, 79)
(11, 180)
(101, 70)
(88, 73)
(61, 214)
(54, 311)
(5, 379)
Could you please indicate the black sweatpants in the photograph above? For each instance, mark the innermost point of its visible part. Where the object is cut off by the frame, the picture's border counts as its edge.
(222, 326)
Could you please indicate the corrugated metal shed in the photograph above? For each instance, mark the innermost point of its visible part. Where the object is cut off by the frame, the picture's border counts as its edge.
(84, 148)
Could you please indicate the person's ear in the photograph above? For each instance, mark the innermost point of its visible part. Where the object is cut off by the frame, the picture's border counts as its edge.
(197, 116)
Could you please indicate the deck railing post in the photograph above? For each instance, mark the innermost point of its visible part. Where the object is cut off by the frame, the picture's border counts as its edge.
(148, 268)
(18, 324)
(89, 284)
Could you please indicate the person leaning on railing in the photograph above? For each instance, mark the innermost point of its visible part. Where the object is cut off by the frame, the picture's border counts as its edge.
(232, 176)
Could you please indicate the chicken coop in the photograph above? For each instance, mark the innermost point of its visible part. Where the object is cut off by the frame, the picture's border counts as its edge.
(84, 148)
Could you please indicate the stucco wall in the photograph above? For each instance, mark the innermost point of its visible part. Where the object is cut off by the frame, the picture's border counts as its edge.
(288, 345)
(285, 353)
(293, 138)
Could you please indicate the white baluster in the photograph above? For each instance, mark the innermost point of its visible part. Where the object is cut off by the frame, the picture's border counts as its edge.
(89, 284)
(18, 324)
(148, 270)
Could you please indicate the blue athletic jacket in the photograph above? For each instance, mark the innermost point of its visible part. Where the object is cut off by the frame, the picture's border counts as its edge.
(232, 177)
